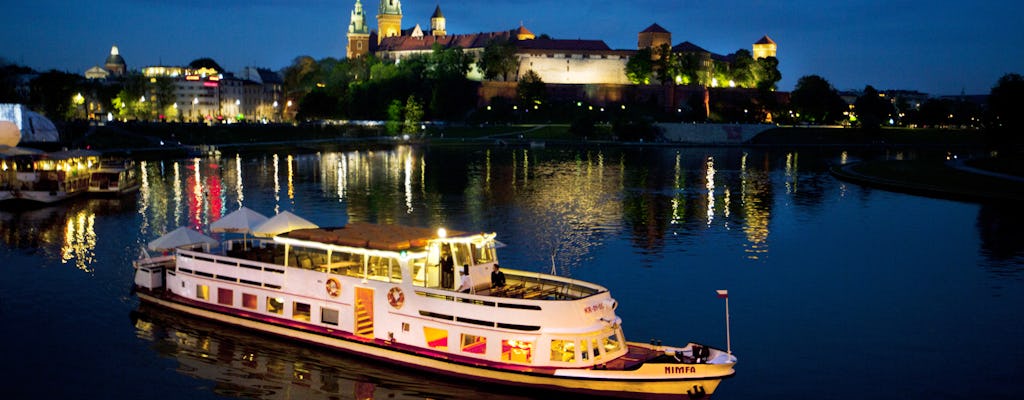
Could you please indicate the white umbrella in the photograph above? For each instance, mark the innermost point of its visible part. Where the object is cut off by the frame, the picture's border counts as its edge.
(179, 238)
(242, 220)
(281, 223)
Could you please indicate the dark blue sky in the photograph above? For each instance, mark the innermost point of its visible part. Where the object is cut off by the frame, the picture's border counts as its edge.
(939, 47)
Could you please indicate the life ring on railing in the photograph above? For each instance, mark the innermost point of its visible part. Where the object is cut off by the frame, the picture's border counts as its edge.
(395, 297)
(333, 287)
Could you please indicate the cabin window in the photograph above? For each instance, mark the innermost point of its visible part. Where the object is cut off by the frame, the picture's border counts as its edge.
(346, 264)
(329, 316)
(482, 253)
(396, 271)
(377, 268)
(563, 350)
(462, 255)
(202, 292)
(275, 305)
(420, 275)
(249, 301)
(585, 350)
(436, 338)
(612, 343)
(595, 349)
(225, 297)
(518, 351)
(300, 311)
(474, 344)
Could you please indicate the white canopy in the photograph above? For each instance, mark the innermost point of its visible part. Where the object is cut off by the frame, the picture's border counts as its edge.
(243, 220)
(181, 237)
(32, 126)
(281, 223)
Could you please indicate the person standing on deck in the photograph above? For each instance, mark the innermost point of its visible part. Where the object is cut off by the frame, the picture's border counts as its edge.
(447, 269)
(466, 284)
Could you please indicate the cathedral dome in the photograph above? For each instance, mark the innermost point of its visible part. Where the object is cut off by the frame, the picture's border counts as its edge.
(115, 58)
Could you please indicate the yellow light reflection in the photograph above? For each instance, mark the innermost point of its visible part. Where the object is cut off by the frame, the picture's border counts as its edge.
(709, 184)
(679, 200)
(80, 240)
(277, 186)
(291, 175)
(755, 196)
(238, 184)
(408, 183)
(178, 203)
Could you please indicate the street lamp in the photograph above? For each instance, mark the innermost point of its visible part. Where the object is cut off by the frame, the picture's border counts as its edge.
(195, 100)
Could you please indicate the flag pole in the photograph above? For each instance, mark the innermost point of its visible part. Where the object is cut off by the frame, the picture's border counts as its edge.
(728, 337)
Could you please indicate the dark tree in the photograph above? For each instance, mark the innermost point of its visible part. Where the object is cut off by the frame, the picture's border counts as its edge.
(531, 88)
(10, 74)
(1006, 103)
(767, 73)
(816, 101)
(640, 68)
(52, 92)
(871, 109)
(498, 60)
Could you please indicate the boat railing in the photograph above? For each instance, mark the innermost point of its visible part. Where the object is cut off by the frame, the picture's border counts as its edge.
(152, 262)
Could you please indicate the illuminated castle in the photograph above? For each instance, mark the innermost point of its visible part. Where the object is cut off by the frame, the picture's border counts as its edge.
(557, 61)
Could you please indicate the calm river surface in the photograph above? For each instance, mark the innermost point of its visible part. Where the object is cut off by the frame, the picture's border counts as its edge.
(837, 291)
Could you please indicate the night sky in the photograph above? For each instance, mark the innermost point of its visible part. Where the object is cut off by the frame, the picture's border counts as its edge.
(940, 47)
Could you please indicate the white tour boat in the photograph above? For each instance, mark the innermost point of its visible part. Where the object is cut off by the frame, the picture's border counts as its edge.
(114, 177)
(392, 293)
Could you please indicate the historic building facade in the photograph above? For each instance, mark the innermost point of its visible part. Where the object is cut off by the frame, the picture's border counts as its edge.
(556, 61)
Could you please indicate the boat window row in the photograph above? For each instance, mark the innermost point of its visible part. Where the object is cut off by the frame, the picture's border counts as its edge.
(584, 349)
(274, 305)
(512, 350)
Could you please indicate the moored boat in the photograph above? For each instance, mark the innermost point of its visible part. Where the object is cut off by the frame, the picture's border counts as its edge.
(114, 177)
(389, 292)
(52, 177)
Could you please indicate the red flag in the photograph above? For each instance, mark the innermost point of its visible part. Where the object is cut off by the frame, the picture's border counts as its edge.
(722, 293)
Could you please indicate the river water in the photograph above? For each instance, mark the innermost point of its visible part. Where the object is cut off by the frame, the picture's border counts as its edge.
(836, 291)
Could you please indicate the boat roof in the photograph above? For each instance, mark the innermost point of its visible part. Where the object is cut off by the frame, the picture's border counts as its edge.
(372, 236)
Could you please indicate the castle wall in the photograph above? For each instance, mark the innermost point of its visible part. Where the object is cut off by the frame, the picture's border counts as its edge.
(576, 68)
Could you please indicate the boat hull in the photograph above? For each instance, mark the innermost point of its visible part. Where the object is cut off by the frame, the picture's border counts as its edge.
(696, 384)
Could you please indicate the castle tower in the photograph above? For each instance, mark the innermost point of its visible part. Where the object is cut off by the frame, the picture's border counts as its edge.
(389, 19)
(764, 48)
(653, 37)
(437, 23)
(358, 34)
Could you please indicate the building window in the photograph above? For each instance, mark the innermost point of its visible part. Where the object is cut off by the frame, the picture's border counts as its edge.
(202, 292)
(518, 351)
(225, 297)
(300, 311)
(474, 344)
(563, 350)
(275, 305)
(436, 338)
(249, 301)
(329, 316)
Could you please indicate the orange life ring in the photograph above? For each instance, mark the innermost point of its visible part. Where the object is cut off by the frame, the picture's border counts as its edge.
(333, 287)
(395, 297)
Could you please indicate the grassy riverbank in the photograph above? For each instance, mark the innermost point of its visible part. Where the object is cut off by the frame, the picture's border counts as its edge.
(978, 180)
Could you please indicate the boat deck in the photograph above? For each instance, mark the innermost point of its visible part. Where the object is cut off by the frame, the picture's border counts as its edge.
(517, 286)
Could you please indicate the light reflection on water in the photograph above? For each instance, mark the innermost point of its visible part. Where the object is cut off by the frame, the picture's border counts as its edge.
(813, 262)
